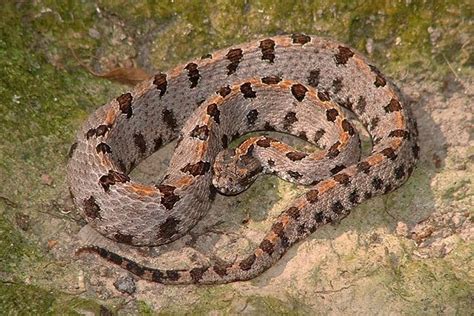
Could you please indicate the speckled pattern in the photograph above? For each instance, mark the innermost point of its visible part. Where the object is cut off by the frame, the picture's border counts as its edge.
(290, 84)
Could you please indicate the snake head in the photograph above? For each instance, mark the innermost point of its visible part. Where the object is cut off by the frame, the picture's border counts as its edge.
(233, 173)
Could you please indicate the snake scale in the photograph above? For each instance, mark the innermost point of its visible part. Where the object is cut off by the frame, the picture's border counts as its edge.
(294, 84)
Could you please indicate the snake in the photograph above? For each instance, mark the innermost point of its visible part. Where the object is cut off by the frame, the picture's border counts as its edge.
(307, 86)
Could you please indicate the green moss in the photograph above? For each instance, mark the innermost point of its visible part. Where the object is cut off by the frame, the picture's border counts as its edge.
(434, 285)
(145, 309)
(214, 301)
(265, 305)
(457, 190)
(15, 250)
(32, 300)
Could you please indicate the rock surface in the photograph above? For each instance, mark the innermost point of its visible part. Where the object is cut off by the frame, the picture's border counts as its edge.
(408, 252)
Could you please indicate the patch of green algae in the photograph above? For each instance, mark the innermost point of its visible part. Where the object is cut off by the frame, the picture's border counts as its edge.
(41, 104)
(434, 285)
(44, 96)
(219, 300)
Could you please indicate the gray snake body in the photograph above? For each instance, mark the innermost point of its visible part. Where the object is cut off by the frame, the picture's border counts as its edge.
(291, 84)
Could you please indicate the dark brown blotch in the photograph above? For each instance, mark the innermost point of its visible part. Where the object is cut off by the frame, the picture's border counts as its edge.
(140, 142)
(393, 106)
(125, 104)
(332, 114)
(389, 153)
(235, 136)
(200, 132)
(299, 91)
(379, 79)
(221, 270)
(363, 166)
(158, 142)
(264, 142)
(399, 172)
(319, 217)
(294, 174)
(312, 196)
(300, 39)
(337, 85)
(197, 273)
(91, 208)
(90, 133)
(313, 77)
(303, 135)
(289, 119)
(416, 151)
(267, 47)
(354, 197)
(278, 229)
(293, 212)
(160, 83)
(169, 198)
(101, 130)
(267, 246)
(118, 176)
(347, 127)
(224, 91)
(105, 181)
(377, 183)
(213, 111)
(399, 133)
(333, 151)
(343, 55)
(361, 104)
(374, 122)
(337, 207)
(115, 258)
(268, 127)
(246, 89)
(318, 134)
(252, 117)
(337, 168)
(157, 276)
(134, 267)
(169, 119)
(72, 149)
(193, 74)
(103, 148)
(342, 178)
(247, 263)
(168, 228)
(225, 141)
(347, 103)
(197, 169)
(123, 238)
(172, 275)
(296, 155)
(271, 80)
(323, 96)
(234, 56)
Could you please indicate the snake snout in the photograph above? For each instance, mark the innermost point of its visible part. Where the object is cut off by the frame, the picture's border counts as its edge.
(234, 174)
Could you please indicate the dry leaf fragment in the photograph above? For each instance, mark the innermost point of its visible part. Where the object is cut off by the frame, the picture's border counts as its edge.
(129, 75)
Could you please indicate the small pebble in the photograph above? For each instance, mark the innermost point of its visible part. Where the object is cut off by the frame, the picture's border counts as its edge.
(46, 179)
(125, 284)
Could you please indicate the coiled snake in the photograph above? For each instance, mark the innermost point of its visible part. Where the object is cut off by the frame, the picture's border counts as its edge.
(292, 84)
